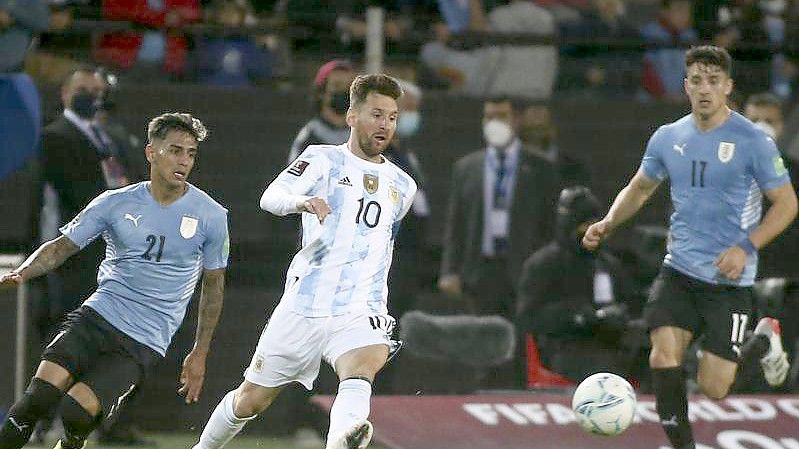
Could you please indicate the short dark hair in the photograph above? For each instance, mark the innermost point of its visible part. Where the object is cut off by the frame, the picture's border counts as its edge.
(709, 55)
(377, 83)
(80, 68)
(160, 126)
(517, 104)
(764, 99)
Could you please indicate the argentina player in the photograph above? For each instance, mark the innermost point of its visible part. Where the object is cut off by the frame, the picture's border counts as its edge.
(718, 164)
(161, 237)
(334, 303)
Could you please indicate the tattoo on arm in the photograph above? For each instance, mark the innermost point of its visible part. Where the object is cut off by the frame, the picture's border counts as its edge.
(211, 298)
(47, 257)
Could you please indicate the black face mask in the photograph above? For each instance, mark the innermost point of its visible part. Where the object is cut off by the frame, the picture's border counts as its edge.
(85, 104)
(340, 102)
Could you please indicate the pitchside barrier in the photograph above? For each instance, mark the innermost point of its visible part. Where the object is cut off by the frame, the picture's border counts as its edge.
(7, 263)
(545, 421)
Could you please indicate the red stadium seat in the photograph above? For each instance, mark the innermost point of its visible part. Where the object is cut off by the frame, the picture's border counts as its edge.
(537, 375)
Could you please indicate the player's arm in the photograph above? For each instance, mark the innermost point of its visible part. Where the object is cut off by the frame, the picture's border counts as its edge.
(781, 213)
(211, 298)
(289, 192)
(627, 203)
(46, 258)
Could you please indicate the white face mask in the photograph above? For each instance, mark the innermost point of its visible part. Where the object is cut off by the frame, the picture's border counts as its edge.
(768, 129)
(497, 133)
(408, 123)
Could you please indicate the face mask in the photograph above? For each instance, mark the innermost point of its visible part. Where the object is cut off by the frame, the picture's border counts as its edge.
(497, 133)
(768, 129)
(85, 105)
(340, 102)
(408, 123)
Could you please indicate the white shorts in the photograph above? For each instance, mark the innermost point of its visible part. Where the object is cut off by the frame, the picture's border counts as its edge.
(292, 346)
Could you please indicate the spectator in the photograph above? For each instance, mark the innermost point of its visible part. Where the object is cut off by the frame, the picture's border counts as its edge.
(331, 98)
(573, 301)
(19, 23)
(539, 136)
(664, 68)
(232, 58)
(765, 110)
(161, 48)
(498, 214)
(596, 68)
(516, 70)
(58, 49)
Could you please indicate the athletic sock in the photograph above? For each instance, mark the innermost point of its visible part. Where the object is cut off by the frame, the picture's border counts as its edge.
(223, 424)
(350, 407)
(672, 406)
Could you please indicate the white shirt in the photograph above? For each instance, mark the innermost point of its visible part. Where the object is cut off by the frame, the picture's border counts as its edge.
(343, 264)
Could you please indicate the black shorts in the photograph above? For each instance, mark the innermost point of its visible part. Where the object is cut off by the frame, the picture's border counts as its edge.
(99, 355)
(720, 313)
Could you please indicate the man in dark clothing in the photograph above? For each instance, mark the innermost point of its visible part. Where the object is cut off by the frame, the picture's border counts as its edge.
(572, 300)
(331, 100)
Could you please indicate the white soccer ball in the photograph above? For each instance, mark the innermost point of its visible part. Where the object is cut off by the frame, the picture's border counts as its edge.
(604, 404)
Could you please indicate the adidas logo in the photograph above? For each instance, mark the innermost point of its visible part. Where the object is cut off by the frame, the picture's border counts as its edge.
(345, 181)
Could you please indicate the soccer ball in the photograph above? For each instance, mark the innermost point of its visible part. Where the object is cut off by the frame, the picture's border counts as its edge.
(604, 404)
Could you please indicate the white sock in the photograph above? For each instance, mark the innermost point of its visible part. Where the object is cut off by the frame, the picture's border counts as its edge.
(350, 407)
(223, 425)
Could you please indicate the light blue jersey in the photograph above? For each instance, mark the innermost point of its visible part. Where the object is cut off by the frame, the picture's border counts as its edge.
(716, 182)
(154, 256)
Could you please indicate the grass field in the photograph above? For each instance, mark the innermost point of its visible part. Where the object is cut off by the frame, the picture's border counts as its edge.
(186, 441)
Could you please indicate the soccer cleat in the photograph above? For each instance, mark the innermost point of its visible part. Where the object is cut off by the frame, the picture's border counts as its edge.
(775, 362)
(358, 437)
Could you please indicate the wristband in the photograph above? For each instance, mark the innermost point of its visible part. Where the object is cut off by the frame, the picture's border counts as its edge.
(747, 246)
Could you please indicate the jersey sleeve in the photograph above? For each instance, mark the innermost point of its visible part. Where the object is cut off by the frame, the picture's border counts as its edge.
(768, 167)
(90, 222)
(296, 183)
(652, 164)
(216, 248)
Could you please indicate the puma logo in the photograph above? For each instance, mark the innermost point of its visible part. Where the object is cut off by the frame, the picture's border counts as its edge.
(135, 219)
(680, 148)
(672, 422)
(20, 427)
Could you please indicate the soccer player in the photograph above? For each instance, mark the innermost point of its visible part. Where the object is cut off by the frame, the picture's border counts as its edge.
(161, 236)
(334, 303)
(718, 163)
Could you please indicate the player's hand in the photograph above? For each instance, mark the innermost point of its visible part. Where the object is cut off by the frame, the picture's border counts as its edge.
(192, 376)
(450, 284)
(595, 234)
(318, 207)
(731, 262)
(11, 279)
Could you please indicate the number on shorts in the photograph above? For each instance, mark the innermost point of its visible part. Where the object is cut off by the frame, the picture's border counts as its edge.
(739, 321)
(383, 323)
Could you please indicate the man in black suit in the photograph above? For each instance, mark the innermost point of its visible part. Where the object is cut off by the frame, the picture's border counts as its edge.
(500, 207)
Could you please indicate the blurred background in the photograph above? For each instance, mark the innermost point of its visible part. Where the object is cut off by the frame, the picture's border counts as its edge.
(580, 83)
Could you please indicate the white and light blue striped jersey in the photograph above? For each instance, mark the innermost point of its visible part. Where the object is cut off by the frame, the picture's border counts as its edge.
(154, 257)
(716, 182)
(343, 264)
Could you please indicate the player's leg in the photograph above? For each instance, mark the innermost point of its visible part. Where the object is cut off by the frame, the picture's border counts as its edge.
(105, 388)
(63, 360)
(356, 370)
(43, 394)
(287, 352)
(80, 414)
(358, 348)
(672, 318)
(234, 411)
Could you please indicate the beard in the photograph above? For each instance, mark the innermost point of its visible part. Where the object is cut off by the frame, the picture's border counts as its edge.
(365, 142)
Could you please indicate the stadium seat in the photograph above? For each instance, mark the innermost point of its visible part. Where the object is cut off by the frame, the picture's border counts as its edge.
(537, 375)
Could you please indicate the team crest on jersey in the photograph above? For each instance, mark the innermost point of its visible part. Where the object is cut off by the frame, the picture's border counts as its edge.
(188, 227)
(258, 366)
(370, 182)
(726, 151)
(394, 195)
